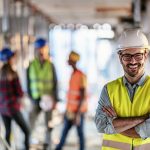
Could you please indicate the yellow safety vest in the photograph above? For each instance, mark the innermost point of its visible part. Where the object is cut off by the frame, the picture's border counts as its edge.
(41, 78)
(121, 102)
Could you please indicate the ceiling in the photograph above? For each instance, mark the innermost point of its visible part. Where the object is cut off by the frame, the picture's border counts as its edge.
(84, 11)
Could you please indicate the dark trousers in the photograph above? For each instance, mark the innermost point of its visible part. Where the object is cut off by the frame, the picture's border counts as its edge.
(33, 118)
(35, 113)
(67, 126)
(21, 122)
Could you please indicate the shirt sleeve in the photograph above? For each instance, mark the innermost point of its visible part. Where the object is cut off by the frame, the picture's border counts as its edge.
(28, 81)
(102, 121)
(144, 129)
(55, 87)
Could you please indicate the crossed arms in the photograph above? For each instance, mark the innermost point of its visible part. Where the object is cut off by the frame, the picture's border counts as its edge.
(108, 122)
(124, 126)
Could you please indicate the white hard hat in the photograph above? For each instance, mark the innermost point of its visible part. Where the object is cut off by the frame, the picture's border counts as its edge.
(132, 38)
(46, 102)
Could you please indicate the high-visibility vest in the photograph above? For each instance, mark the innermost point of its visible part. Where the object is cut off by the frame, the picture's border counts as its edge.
(77, 81)
(41, 78)
(125, 108)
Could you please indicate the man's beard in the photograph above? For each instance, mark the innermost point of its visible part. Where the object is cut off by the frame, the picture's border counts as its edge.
(131, 71)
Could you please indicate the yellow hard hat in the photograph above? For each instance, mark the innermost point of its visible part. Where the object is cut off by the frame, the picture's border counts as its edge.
(73, 56)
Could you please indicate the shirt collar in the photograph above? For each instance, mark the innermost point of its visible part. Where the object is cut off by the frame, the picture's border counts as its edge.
(139, 83)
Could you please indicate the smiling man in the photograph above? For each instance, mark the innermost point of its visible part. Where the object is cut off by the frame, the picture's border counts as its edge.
(133, 62)
(124, 105)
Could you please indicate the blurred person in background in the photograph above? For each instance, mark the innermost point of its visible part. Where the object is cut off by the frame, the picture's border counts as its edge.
(76, 103)
(124, 105)
(10, 95)
(42, 84)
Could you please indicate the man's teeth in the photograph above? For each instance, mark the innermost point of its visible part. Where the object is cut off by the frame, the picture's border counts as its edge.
(133, 66)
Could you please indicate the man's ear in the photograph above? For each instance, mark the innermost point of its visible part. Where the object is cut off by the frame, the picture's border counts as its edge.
(146, 54)
(120, 58)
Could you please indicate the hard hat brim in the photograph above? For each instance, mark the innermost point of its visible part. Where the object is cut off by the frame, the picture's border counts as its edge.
(131, 47)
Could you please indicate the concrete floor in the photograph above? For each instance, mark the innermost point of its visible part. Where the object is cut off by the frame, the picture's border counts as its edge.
(93, 139)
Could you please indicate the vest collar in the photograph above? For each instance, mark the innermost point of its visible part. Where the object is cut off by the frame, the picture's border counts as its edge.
(139, 83)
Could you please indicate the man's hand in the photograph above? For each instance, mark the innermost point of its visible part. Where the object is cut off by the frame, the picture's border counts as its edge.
(131, 133)
(54, 105)
(77, 119)
(122, 124)
(110, 111)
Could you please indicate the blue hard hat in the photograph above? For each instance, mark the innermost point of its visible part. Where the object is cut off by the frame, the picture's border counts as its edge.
(39, 43)
(6, 54)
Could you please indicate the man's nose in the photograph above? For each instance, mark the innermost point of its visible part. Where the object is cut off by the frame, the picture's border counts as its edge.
(132, 60)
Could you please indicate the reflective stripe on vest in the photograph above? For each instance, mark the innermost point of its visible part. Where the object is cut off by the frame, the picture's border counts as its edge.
(75, 102)
(41, 78)
(72, 106)
(118, 145)
(73, 97)
(120, 101)
(74, 92)
(143, 147)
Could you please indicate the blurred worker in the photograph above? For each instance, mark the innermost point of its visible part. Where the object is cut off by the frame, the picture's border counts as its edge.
(10, 94)
(42, 83)
(124, 106)
(76, 103)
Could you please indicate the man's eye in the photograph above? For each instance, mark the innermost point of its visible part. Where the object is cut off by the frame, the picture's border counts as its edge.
(138, 55)
(127, 56)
